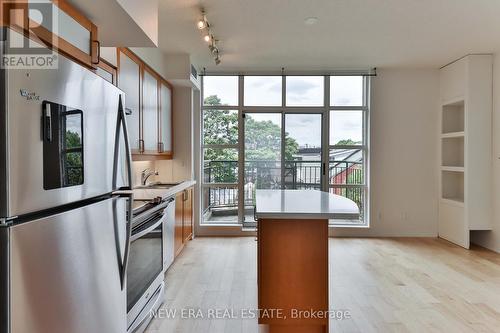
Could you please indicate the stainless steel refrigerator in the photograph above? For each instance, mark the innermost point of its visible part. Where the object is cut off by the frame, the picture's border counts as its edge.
(64, 228)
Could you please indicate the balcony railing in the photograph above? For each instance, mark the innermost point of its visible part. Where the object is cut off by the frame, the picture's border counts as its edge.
(265, 174)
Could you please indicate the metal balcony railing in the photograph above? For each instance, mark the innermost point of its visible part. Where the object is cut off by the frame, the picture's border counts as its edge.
(266, 174)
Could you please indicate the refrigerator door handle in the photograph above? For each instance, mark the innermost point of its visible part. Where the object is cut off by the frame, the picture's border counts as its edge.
(127, 242)
(123, 263)
(122, 123)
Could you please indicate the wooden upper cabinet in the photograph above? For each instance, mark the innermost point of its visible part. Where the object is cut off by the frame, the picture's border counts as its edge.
(165, 120)
(106, 71)
(148, 102)
(74, 35)
(129, 80)
(150, 111)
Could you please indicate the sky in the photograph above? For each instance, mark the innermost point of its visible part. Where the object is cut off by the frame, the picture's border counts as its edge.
(300, 91)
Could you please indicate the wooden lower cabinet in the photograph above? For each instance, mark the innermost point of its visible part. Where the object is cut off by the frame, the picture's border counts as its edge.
(292, 274)
(183, 219)
(179, 218)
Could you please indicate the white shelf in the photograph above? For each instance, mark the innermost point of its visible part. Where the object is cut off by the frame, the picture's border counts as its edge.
(453, 118)
(453, 201)
(465, 141)
(454, 101)
(452, 168)
(452, 151)
(453, 135)
(452, 185)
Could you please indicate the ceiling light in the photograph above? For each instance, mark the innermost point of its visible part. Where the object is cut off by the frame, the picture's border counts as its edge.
(208, 36)
(202, 23)
(311, 20)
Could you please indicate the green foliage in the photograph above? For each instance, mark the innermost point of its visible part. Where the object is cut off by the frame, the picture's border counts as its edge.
(262, 141)
(212, 100)
(74, 163)
(348, 142)
(73, 140)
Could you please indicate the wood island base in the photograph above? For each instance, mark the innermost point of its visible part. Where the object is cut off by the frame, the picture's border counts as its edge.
(293, 274)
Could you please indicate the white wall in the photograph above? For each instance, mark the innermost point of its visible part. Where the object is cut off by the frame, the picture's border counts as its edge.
(404, 189)
(145, 14)
(491, 239)
(154, 57)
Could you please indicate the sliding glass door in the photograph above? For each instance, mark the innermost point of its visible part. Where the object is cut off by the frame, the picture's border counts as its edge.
(263, 153)
(281, 151)
(303, 151)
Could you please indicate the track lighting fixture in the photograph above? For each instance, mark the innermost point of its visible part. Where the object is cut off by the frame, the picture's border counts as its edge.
(202, 23)
(208, 37)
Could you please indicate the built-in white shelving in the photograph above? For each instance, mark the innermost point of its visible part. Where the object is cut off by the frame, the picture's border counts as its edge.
(452, 152)
(453, 135)
(454, 169)
(465, 145)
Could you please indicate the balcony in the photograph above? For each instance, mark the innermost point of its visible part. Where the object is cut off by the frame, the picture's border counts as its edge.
(220, 204)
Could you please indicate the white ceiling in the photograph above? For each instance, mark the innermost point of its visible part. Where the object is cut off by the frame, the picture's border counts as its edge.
(350, 34)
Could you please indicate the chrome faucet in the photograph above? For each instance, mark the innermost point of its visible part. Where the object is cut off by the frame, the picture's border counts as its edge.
(145, 174)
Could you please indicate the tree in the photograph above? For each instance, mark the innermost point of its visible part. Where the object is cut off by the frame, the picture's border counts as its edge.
(348, 142)
(262, 141)
(74, 167)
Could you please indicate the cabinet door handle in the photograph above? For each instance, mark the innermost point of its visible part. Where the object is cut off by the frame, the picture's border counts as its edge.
(98, 56)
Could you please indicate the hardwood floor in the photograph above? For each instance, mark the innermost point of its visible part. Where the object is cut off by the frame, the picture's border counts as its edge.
(387, 285)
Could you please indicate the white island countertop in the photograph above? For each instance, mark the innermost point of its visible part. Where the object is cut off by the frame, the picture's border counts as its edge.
(304, 204)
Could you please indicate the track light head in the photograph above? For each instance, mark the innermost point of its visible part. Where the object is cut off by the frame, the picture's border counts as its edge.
(202, 22)
(214, 49)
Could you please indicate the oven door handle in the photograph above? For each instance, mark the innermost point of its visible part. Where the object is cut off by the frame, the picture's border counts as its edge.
(147, 314)
(146, 231)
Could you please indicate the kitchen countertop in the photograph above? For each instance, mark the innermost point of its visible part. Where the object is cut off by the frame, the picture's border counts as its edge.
(151, 193)
(304, 204)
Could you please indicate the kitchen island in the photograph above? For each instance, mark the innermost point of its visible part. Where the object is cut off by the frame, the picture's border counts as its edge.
(293, 257)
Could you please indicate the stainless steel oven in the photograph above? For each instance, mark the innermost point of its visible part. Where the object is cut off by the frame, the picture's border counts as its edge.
(145, 272)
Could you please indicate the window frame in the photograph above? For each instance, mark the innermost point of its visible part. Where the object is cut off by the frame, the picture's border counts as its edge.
(324, 110)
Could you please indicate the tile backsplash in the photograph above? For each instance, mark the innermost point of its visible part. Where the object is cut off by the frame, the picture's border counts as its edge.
(164, 169)
(137, 168)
